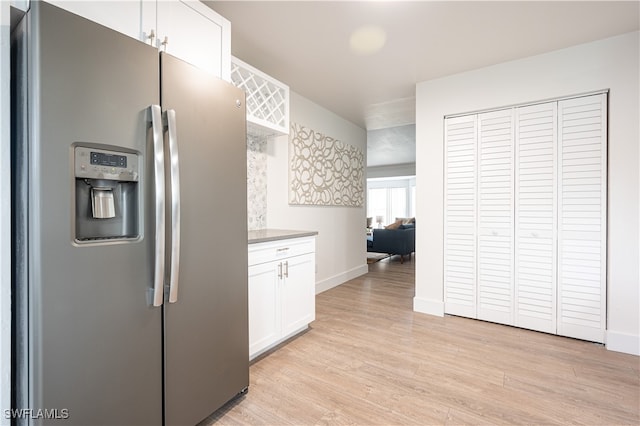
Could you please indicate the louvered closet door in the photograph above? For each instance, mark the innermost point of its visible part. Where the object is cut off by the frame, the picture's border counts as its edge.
(460, 216)
(535, 218)
(495, 216)
(582, 160)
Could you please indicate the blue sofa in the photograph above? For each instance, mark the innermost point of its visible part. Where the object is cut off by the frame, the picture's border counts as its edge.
(401, 241)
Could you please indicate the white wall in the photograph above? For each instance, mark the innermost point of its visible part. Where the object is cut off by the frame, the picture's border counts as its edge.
(341, 243)
(5, 215)
(606, 64)
(392, 170)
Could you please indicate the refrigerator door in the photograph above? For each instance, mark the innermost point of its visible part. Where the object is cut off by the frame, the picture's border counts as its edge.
(89, 341)
(206, 329)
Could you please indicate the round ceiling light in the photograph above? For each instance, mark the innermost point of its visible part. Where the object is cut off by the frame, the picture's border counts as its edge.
(367, 40)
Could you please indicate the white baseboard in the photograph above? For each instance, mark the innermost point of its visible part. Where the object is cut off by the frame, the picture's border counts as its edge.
(623, 342)
(428, 306)
(341, 278)
(280, 341)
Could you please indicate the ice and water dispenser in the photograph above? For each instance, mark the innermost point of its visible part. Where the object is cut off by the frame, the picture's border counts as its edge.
(106, 194)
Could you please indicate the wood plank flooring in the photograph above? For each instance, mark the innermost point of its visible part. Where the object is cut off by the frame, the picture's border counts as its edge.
(368, 359)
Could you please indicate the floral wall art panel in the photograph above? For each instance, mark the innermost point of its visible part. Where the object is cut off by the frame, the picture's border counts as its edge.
(324, 171)
(256, 182)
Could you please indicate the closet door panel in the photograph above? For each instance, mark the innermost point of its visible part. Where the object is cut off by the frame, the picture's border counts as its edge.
(460, 201)
(582, 160)
(535, 217)
(495, 216)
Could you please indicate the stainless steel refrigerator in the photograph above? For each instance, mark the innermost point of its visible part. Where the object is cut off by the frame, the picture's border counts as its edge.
(130, 232)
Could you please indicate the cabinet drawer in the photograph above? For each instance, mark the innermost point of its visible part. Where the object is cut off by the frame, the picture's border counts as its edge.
(274, 250)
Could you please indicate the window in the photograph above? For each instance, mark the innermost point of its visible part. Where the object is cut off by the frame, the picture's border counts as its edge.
(377, 205)
(389, 198)
(398, 205)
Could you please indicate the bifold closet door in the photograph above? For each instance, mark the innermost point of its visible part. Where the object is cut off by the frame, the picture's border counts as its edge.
(525, 216)
(495, 216)
(535, 217)
(460, 226)
(582, 201)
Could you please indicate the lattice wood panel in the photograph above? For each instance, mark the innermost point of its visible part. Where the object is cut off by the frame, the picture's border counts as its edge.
(267, 99)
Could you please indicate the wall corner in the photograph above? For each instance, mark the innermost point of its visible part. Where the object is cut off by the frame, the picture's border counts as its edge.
(428, 306)
(623, 342)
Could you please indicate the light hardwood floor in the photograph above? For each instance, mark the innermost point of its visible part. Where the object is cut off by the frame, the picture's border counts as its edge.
(368, 359)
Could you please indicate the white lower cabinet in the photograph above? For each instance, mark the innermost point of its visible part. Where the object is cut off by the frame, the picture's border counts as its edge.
(264, 306)
(281, 291)
(298, 293)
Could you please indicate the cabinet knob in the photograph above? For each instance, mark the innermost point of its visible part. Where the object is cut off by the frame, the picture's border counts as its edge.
(151, 36)
(165, 42)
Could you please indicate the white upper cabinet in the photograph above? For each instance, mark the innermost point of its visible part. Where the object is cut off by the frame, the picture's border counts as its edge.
(128, 17)
(187, 29)
(196, 34)
(22, 5)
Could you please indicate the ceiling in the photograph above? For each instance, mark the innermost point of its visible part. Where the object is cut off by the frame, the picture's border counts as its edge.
(391, 146)
(306, 45)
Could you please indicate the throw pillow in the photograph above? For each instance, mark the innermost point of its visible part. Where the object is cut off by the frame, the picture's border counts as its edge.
(406, 220)
(394, 225)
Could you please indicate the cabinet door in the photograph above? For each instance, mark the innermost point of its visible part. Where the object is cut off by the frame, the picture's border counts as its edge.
(264, 306)
(582, 224)
(22, 5)
(298, 293)
(535, 217)
(133, 18)
(460, 225)
(195, 34)
(495, 216)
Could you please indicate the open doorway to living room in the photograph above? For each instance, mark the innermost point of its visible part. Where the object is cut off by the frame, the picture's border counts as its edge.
(391, 218)
(391, 193)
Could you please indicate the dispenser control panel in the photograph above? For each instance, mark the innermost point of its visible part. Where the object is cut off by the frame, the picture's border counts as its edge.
(109, 160)
(92, 163)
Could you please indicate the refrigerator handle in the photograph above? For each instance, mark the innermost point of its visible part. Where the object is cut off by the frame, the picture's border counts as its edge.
(174, 171)
(158, 169)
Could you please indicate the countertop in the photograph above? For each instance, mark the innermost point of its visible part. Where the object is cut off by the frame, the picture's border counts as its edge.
(264, 235)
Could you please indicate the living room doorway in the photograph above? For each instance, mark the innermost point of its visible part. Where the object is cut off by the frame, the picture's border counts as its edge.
(391, 186)
(390, 218)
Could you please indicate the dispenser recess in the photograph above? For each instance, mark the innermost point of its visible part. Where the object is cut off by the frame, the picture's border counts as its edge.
(106, 194)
